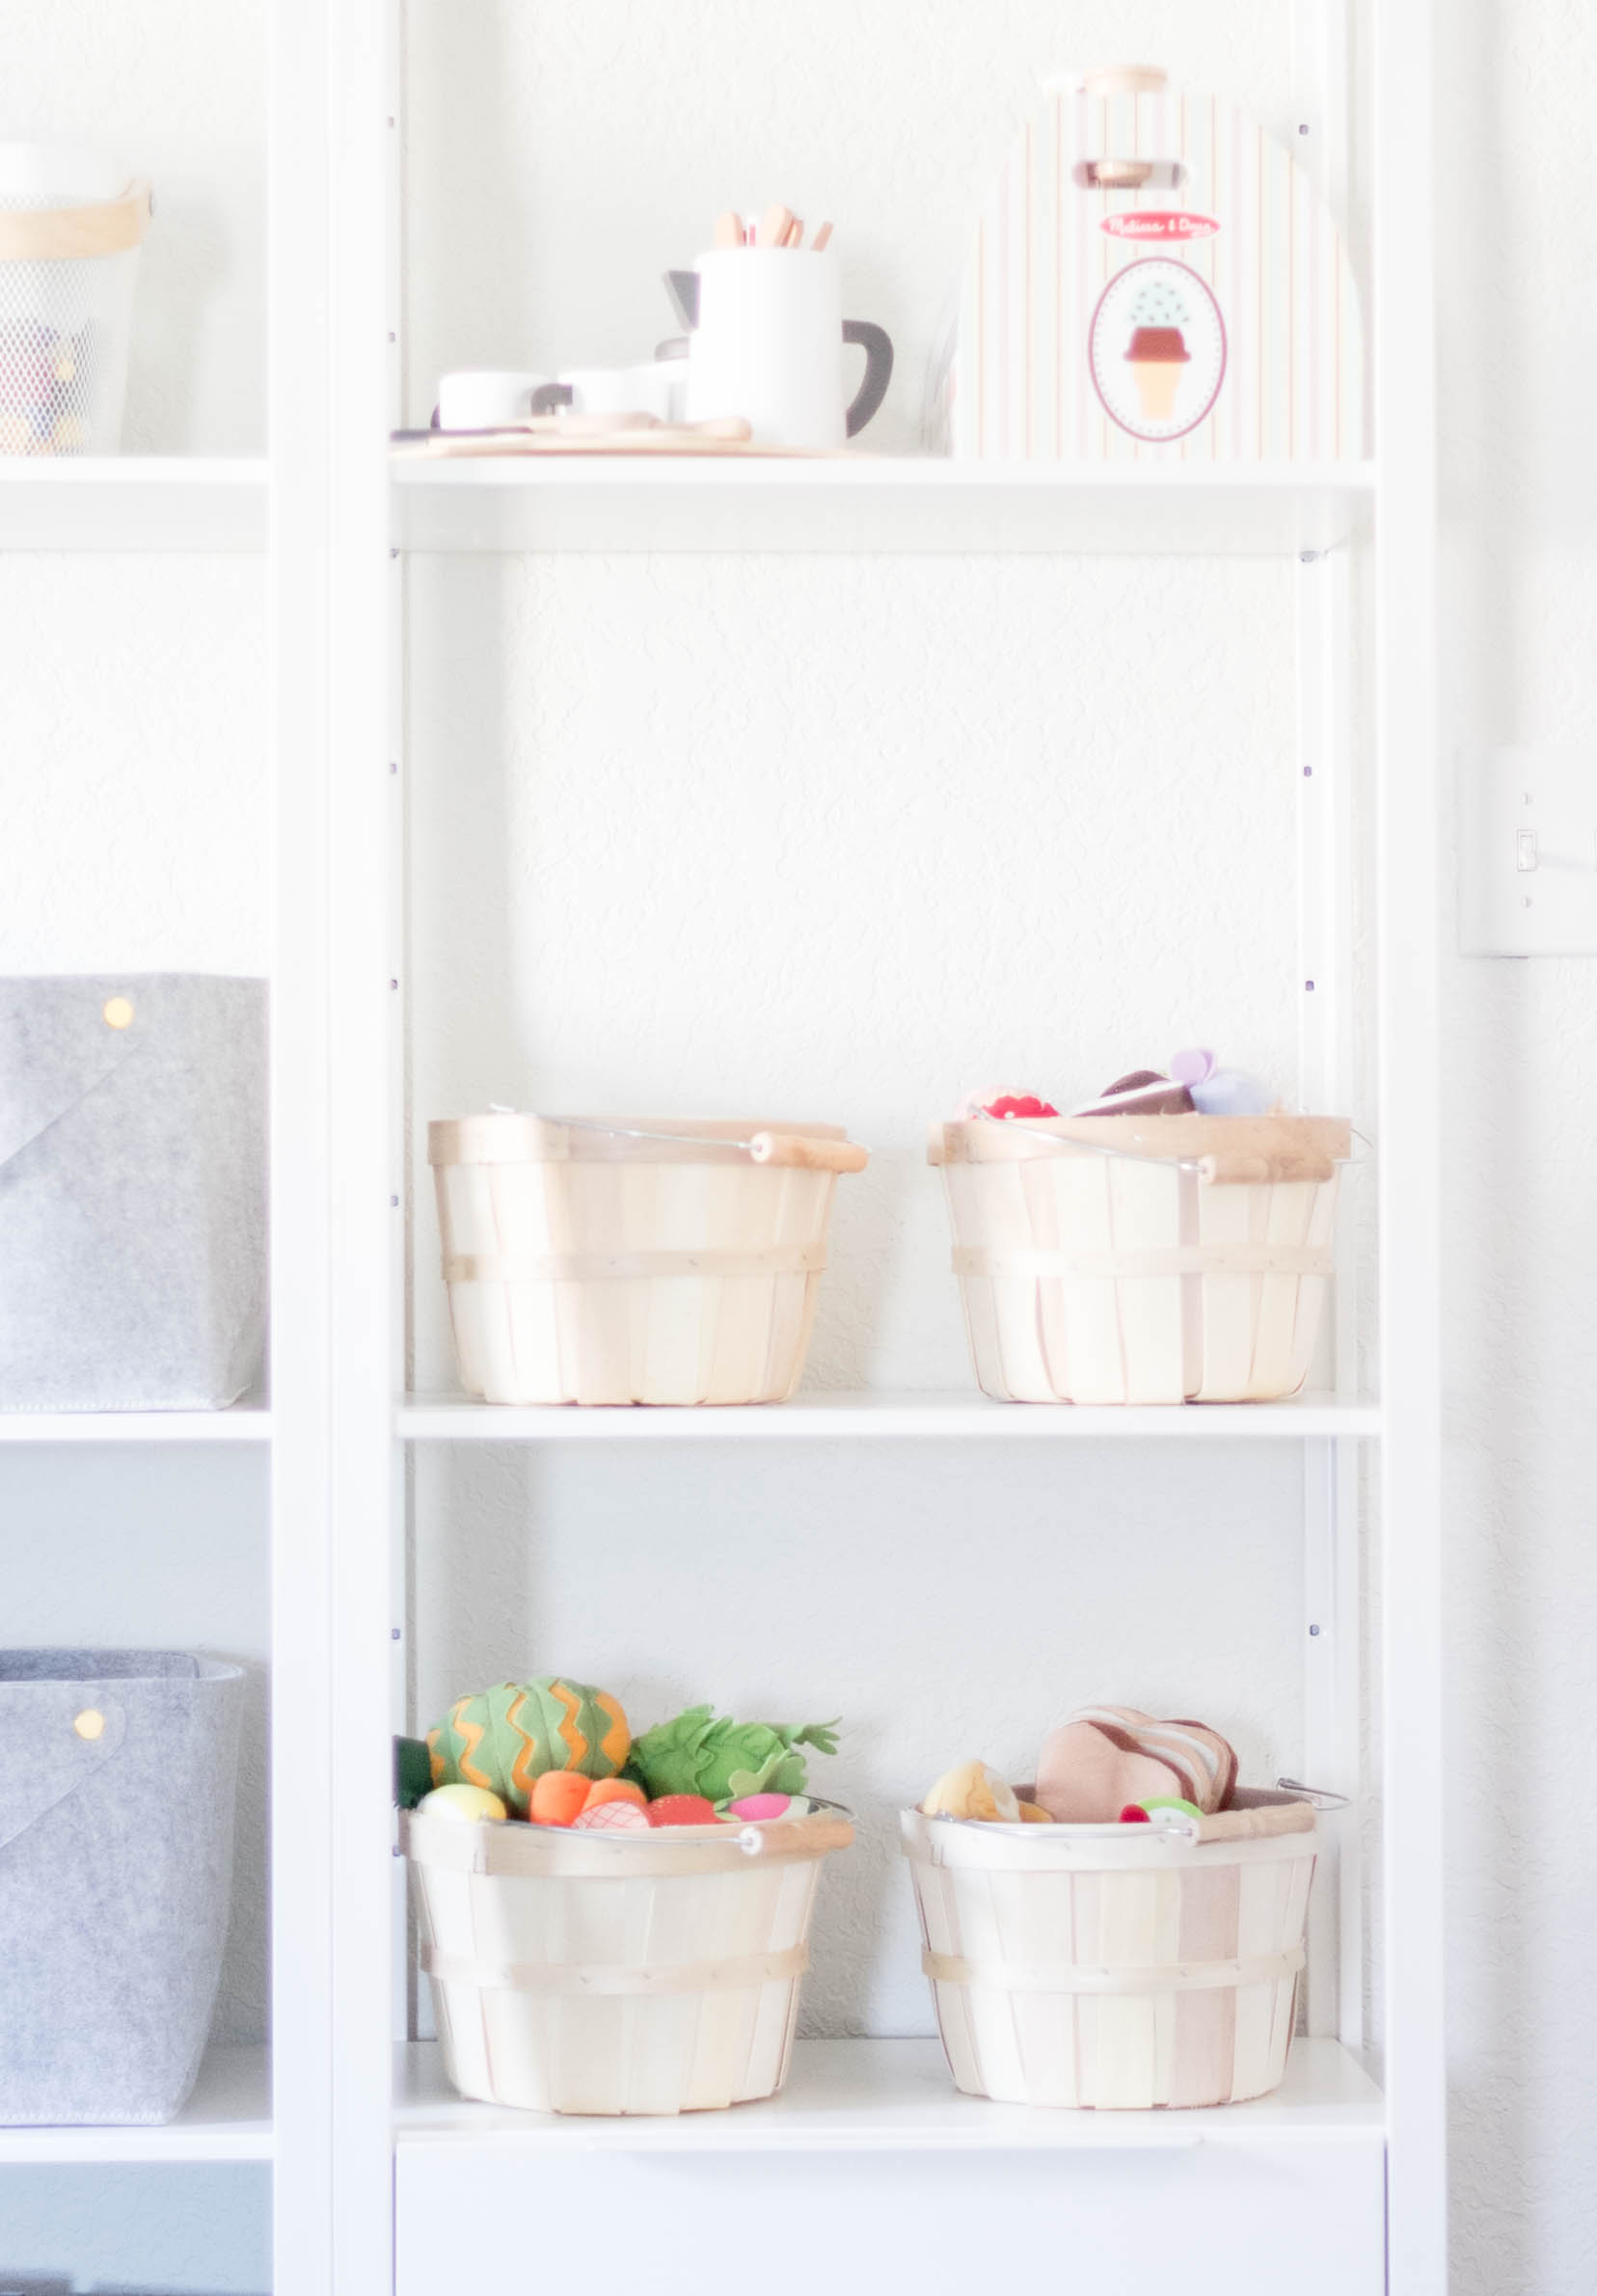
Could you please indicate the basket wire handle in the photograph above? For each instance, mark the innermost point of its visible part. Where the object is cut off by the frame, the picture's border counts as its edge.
(795, 1151)
(1320, 1798)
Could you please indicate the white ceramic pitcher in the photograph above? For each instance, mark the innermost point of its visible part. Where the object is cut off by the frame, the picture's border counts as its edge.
(768, 346)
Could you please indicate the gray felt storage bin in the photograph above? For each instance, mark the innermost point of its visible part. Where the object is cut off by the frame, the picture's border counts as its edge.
(116, 1777)
(132, 1192)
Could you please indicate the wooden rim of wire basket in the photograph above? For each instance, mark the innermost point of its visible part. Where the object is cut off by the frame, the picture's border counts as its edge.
(511, 1846)
(1260, 1820)
(1225, 1150)
(503, 1136)
(96, 227)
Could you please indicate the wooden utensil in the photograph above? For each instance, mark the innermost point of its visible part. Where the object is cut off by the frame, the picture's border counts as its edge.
(773, 225)
(822, 239)
(795, 233)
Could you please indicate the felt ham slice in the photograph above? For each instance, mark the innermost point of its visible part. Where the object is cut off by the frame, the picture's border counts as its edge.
(1107, 1756)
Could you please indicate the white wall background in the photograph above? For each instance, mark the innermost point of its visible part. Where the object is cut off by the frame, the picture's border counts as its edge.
(853, 835)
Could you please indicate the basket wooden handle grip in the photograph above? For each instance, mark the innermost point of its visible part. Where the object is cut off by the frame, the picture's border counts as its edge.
(800, 1153)
(1257, 1172)
(56, 235)
(1254, 1826)
(782, 1836)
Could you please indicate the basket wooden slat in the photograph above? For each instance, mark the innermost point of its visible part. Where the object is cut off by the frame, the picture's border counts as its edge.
(614, 1973)
(1074, 1969)
(1164, 1273)
(587, 1267)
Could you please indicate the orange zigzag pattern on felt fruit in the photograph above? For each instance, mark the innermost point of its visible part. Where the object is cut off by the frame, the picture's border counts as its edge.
(524, 1771)
(616, 1743)
(472, 1733)
(566, 1729)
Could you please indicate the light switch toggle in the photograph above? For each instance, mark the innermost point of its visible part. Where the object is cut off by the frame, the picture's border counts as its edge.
(1525, 851)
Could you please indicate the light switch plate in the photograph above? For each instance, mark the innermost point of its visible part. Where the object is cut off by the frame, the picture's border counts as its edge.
(1528, 852)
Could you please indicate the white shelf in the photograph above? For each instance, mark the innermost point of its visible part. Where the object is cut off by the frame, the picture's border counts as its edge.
(134, 503)
(242, 1423)
(894, 2096)
(863, 503)
(454, 1418)
(228, 2118)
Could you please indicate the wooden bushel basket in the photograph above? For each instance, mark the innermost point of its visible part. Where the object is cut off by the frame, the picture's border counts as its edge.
(577, 1972)
(1116, 1966)
(1142, 1258)
(637, 1259)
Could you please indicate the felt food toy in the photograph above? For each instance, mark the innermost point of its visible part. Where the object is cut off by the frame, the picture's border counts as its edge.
(557, 1796)
(973, 1791)
(611, 1817)
(682, 1809)
(505, 1737)
(757, 1809)
(1002, 1105)
(725, 1759)
(1033, 1814)
(1105, 1757)
(603, 1790)
(469, 1804)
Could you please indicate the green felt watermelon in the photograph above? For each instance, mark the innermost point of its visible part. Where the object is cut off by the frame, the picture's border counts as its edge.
(505, 1737)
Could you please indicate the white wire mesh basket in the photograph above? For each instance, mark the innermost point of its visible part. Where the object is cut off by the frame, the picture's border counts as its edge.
(72, 223)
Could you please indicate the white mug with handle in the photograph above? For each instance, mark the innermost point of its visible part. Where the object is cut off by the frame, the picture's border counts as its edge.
(769, 345)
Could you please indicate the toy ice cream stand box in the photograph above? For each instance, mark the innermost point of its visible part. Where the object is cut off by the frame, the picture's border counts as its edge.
(1152, 277)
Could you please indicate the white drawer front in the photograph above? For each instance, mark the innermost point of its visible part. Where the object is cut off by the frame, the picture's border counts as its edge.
(1287, 2217)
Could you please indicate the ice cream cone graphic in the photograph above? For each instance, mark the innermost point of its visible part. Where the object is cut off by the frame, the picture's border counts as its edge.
(1158, 350)
(1158, 355)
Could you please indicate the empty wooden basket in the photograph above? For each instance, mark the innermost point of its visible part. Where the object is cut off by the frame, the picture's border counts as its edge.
(1187, 1266)
(634, 1260)
(577, 1972)
(1114, 1966)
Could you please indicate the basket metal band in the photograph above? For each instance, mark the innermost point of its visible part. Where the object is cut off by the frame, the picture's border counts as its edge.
(1064, 1977)
(594, 1978)
(588, 1267)
(1165, 1260)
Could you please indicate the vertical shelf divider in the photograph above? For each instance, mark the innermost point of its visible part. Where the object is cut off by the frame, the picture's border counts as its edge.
(1409, 1086)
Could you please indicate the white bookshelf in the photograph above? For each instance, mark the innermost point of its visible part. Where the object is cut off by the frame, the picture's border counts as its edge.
(874, 504)
(869, 1417)
(158, 502)
(344, 2121)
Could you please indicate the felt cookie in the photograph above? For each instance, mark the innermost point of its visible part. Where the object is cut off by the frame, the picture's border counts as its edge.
(1107, 1756)
(972, 1791)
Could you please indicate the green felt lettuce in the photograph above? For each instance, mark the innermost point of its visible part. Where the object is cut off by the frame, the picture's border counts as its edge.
(725, 1759)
